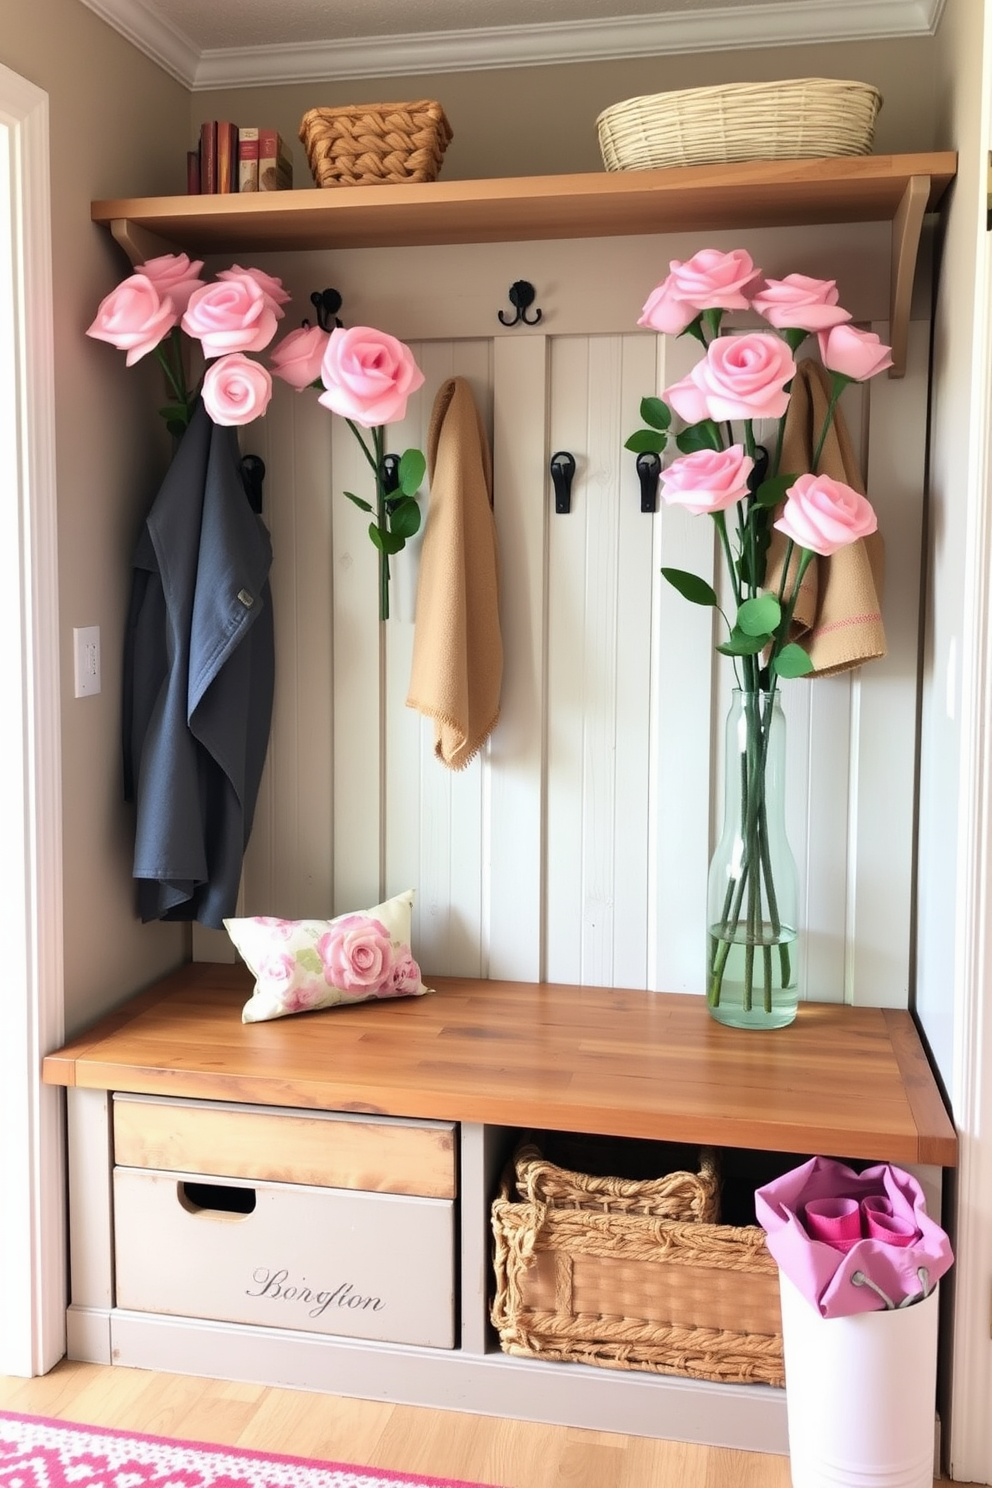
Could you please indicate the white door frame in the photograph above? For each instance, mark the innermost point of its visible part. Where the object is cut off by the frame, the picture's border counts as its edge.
(32, 1235)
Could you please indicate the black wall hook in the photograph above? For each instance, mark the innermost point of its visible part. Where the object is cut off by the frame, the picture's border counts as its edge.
(253, 474)
(327, 303)
(648, 470)
(390, 471)
(521, 296)
(562, 469)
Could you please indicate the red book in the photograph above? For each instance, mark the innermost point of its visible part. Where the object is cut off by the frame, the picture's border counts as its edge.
(208, 156)
(227, 156)
(193, 172)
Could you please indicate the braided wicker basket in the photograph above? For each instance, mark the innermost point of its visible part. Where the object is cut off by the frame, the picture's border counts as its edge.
(800, 119)
(375, 144)
(623, 1281)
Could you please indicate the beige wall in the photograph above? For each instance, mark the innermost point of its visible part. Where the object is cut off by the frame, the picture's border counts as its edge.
(116, 121)
(542, 120)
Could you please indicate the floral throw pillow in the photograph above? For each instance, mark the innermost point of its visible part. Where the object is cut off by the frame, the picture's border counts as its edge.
(300, 965)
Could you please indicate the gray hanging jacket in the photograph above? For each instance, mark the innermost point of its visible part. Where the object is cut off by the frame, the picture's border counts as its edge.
(198, 681)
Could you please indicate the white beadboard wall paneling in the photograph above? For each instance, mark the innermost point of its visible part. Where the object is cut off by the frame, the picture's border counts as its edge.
(517, 750)
(358, 665)
(887, 741)
(686, 717)
(289, 864)
(436, 819)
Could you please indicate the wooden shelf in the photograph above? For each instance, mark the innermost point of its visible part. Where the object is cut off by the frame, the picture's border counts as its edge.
(899, 189)
(841, 1081)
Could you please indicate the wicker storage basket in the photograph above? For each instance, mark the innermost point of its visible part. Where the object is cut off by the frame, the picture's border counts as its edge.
(589, 1271)
(375, 144)
(800, 119)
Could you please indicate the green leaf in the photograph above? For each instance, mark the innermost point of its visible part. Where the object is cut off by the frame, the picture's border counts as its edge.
(646, 441)
(177, 428)
(386, 542)
(739, 644)
(413, 467)
(705, 435)
(175, 411)
(656, 413)
(690, 586)
(364, 505)
(772, 492)
(404, 519)
(793, 661)
(309, 960)
(759, 616)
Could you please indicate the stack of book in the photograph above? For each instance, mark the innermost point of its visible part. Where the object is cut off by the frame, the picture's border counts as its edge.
(229, 159)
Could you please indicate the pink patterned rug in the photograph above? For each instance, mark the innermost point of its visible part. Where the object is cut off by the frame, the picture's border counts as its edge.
(39, 1453)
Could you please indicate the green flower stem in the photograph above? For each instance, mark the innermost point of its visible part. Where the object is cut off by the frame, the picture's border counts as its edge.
(838, 385)
(381, 523)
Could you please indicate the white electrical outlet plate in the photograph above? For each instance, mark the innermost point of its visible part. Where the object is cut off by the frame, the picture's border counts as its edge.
(86, 659)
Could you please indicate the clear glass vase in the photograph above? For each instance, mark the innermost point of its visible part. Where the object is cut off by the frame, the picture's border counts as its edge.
(753, 888)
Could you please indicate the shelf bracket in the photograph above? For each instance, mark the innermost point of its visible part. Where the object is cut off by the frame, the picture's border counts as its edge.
(138, 243)
(907, 224)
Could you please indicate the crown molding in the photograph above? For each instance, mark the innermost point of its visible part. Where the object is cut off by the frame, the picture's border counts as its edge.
(769, 23)
(171, 48)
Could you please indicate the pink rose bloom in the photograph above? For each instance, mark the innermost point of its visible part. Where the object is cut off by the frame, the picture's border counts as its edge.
(270, 286)
(707, 480)
(663, 311)
(712, 280)
(368, 376)
(800, 303)
(744, 377)
(277, 971)
(303, 997)
(404, 978)
(134, 318)
(853, 353)
(231, 315)
(282, 928)
(688, 400)
(298, 356)
(823, 514)
(236, 389)
(172, 274)
(357, 954)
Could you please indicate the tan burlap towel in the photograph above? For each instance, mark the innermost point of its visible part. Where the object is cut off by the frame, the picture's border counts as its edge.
(838, 614)
(457, 649)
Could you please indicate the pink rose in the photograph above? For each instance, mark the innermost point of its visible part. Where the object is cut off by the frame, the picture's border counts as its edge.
(172, 274)
(800, 303)
(707, 480)
(270, 286)
(134, 318)
(304, 997)
(745, 376)
(368, 376)
(231, 315)
(298, 356)
(282, 928)
(236, 389)
(663, 311)
(823, 514)
(276, 971)
(404, 978)
(711, 280)
(853, 353)
(688, 400)
(356, 953)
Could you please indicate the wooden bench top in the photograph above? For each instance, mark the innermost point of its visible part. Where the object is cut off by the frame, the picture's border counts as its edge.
(841, 1081)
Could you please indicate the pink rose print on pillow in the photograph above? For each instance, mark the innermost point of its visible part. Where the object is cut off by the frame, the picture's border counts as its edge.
(277, 972)
(309, 995)
(404, 978)
(357, 954)
(282, 928)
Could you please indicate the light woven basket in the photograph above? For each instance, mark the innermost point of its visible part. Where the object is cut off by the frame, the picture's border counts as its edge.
(618, 1286)
(375, 144)
(800, 119)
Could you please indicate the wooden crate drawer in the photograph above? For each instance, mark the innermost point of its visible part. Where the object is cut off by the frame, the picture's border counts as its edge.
(362, 1265)
(265, 1143)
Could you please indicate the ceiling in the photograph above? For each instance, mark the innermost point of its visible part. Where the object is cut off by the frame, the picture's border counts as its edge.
(230, 43)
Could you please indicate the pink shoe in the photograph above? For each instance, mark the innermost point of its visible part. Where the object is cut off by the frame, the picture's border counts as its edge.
(881, 1224)
(836, 1222)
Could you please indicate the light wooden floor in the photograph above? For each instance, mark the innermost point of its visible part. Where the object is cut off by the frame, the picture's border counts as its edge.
(512, 1454)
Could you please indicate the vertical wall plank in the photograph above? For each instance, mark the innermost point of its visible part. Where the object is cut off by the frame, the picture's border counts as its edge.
(516, 753)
